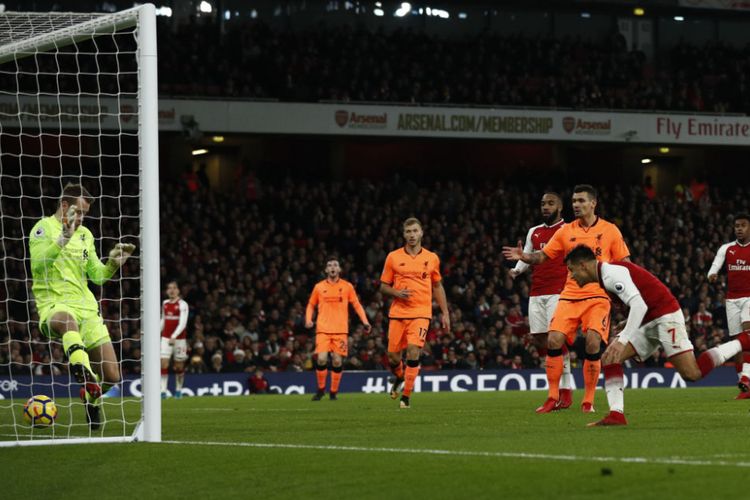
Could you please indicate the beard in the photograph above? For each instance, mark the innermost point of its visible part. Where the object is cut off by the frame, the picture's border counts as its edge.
(551, 217)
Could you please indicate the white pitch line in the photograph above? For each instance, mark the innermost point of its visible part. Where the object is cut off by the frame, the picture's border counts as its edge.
(243, 410)
(490, 454)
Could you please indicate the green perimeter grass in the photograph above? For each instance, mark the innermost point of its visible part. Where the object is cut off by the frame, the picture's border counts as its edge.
(692, 424)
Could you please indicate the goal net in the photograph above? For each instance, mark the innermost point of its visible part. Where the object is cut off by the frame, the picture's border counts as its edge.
(78, 105)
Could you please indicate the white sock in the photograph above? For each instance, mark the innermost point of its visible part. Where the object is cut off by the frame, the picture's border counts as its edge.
(614, 387)
(164, 379)
(566, 377)
(745, 369)
(179, 380)
(728, 350)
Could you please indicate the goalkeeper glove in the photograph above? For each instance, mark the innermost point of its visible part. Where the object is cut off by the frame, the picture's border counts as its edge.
(69, 220)
(120, 253)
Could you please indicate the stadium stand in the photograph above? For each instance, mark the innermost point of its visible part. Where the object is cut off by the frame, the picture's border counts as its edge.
(253, 60)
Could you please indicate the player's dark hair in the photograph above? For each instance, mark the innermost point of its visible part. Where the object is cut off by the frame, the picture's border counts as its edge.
(411, 221)
(579, 254)
(175, 283)
(71, 192)
(586, 188)
(332, 257)
(742, 216)
(553, 193)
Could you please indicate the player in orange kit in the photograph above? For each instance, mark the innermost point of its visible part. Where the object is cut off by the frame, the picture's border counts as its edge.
(411, 276)
(588, 306)
(331, 297)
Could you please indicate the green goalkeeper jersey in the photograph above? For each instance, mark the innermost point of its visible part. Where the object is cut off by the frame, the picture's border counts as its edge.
(60, 274)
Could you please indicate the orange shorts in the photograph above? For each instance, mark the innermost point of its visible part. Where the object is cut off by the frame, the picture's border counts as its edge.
(589, 314)
(402, 332)
(337, 343)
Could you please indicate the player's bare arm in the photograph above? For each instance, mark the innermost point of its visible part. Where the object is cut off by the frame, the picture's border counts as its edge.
(445, 316)
(387, 289)
(517, 253)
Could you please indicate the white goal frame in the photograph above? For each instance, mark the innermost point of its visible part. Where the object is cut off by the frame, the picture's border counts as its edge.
(144, 16)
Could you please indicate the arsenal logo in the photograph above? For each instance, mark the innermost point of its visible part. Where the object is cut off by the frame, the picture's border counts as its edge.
(569, 123)
(342, 118)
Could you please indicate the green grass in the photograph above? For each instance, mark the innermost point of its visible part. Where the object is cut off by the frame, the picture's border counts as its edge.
(703, 426)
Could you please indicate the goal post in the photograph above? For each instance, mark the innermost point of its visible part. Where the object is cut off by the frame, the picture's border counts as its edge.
(148, 131)
(78, 103)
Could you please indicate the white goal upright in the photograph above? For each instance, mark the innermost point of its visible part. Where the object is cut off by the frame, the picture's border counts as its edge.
(78, 104)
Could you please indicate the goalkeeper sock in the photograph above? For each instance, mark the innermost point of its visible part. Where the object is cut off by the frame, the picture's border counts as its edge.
(410, 376)
(565, 380)
(321, 372)
(336, 373)
(164, 379)
(614, 387)
(592, 367)
(554, 367)
(73, 347)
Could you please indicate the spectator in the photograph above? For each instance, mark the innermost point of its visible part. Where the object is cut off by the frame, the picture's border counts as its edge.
(257, 383)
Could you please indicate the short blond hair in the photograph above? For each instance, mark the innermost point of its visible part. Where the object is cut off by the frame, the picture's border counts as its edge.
(411, 221)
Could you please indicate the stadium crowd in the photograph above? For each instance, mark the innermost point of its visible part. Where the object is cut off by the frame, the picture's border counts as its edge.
(252, 60)
(248, 263)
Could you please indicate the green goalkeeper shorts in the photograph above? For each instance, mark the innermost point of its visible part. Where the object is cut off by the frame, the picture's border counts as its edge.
(93, 331)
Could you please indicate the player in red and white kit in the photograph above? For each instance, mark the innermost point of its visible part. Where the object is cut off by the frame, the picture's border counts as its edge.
(547, 281)
(174, 318)
(655, 319)
(736, 256)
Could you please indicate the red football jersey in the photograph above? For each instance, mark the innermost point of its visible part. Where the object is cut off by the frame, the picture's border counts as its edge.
(547, 278)
(654, 293)
(737, 260)
(174, 319)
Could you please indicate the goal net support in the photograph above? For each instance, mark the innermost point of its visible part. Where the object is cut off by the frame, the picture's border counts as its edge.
(78, 104)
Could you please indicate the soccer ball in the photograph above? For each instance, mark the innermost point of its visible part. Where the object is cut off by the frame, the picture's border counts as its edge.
(40, 411)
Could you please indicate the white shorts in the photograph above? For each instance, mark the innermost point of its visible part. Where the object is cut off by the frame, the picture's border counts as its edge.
(738, 312)
(178, 349)
(541, 310)
(667, 331)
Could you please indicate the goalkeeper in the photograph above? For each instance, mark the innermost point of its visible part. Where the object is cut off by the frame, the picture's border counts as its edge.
(62, 258)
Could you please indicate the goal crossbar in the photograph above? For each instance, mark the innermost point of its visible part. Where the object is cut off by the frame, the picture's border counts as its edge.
(69, 35)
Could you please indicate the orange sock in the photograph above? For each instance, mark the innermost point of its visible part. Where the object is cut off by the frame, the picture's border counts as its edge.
(321, 374)
(554, 367)
(409, 377)
(591, 370)
(335, 379)
(398, 370)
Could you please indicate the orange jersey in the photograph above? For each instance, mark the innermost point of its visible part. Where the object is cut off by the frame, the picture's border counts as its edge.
(418, 274)
(332, 301)
(603, 237)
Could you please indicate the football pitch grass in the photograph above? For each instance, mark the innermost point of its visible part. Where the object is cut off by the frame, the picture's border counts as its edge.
(689, 443)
